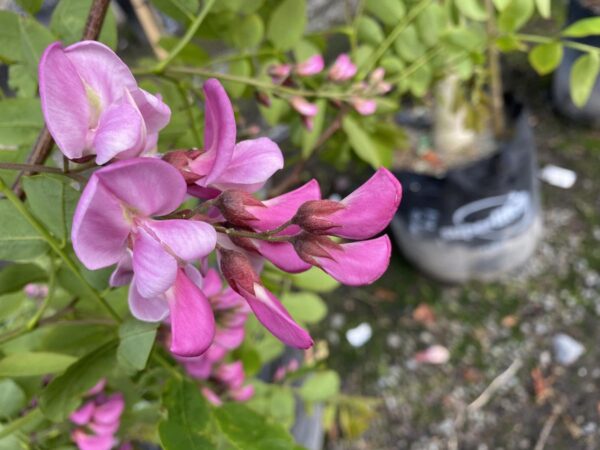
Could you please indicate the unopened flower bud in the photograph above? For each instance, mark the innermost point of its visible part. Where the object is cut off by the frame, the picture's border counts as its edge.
(211, 396)
(36, 291)
(310, 246)
(279, 72)
(263, 98)
(180, 159)
(343, 68)
(304, 107)
(311, 66)
(233, 205)
(363, 106)
(237, 270)
(312, 216)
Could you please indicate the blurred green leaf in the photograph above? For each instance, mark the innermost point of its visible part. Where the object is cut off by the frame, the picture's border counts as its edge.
(10, 304)
(34, 363)
(286, 24)
(583, 77)
(304, 49)
(12, 398)
(361, 142)
(369, 31)
(21, 81)
(274, 401)
(388, 11)
(515, 15)
(20, 121)
(431, 23)
(408, 45)
(14, 277)
(190, 54)
(583, 27)
(136, 341)
(34, 39)
(509, 43)
(546, 57)
(544, 8)
(314, 280)
(181, 10)
(69, 18)
(247, 32)
(18, 240)
(10, 38)
(305, 307)
(31, 6)
(472, 9)
(320, 386)
(242, 68)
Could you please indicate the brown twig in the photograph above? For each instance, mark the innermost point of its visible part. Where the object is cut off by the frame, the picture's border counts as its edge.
(44, 143)
(548, 425)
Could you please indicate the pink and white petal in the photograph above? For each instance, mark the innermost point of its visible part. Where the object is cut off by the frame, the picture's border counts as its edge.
(369, 209)
(84, 414)
(154, 309)
(212, 283)
(155, 112)
(64, 102)
(358, 263)
(101, 69)
(282, 208)
(152, 187)
(188, 239)
(192, 319)
(253, 162)
(283, 255)
(123, 273)
(271, 313)
(86, 441)
(111, 410)
(120, 129)
(100, 229)
(155, 269)
(243, 394)
(219, 134)
(104, 429)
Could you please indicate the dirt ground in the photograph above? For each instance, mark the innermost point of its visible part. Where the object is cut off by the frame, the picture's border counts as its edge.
(493, 330)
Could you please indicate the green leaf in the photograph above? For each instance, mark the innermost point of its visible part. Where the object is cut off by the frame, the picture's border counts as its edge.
(515, 15)
(509, 43)
(274, 401)
(69, 18)
(408, 44)
(472, 9)
(501, 4)
(20, 121)
(369, 31)
(583, 27)
(61, 396)
(10, 304)
(321, 386)
(286, 24)
(242, 68)
(583, 77)
(12, 398)
(190, 54)
(544, 8)
(248, 32)
(31, 6)
(388, 11)
(53, 201)
(546, 57)
(34, 39)
(310, 137)
(34, 363)
(14, 277)
(21, 81)
(431, 23)
(314, 280)
(361, 142)
(18, 239)
(304, 49)
(188, 417)
(136, 341)
(181, 10)
(245, 429)
(10, 38)
(305, 307)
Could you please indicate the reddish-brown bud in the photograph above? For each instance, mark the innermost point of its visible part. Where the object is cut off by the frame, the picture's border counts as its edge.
(310, 246)
(180, 159)
(237, 270)
(233, 205)
(313, 216)
(244, 242)
(263, 98)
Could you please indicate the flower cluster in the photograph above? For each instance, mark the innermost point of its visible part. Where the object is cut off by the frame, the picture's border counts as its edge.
(129, 212)
(98, 419)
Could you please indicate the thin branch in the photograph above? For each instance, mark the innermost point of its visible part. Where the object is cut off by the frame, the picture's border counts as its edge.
(495, 385)
(249, 234)
(547, 429)
(39, 168)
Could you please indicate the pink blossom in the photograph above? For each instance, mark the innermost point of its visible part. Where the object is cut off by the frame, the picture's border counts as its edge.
(118, 204)
(93, 106)
(36, 291)
(364, 106)
(436, 354)
(280, 72)
(343, 68)
(306, 109)
(211, 396)
(311, 66)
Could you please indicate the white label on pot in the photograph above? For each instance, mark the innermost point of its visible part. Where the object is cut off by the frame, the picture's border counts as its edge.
(558, 176)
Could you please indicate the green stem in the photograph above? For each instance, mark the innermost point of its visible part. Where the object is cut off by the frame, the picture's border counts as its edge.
(55, 246)
(566, 42)
(42, 309)
(183, 94)
(389, 40)
(186, 38)
(238, 56)
(250, 234)
(415, 65)
(160, 359)
(40, 168)
(17, 424)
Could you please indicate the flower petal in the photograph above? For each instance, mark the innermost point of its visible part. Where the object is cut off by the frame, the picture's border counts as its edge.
(84, 414)
(150, 186)
(111, 410)
(85, 441)
(105, 429)
(212, 283)
(229, 338)
(271, 313)
(219, 134)
(155, 112)
(279, 210)
(102, 70)
(120, 129)
(243, 394)
(369, 209)
(123, 273)
(100, 230)
(358, 263)
(192, 319)
(188, 239)
(64, 102)
(253, 162)
(155, 269)
(154, 309)
(283, 255)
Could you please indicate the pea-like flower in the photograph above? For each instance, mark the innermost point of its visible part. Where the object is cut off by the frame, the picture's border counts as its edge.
(92, 104)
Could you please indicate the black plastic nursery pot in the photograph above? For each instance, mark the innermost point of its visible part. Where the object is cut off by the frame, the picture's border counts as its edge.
(590, 112)
(477, 221)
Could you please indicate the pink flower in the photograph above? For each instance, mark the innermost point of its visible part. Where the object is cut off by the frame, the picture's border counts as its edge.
(223, 164)
(113, 224)
(211, 396)
(36, 291)
(280, 72)
(364, 106)
(311, 66)
(436, 354)
(343, 68)
(93, 106)
(304, 107)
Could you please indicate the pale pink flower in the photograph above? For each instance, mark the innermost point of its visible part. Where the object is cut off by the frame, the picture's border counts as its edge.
(436, 354)
(364, 106)
(311, 66)
(343, 68)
